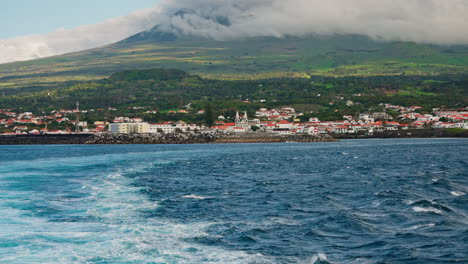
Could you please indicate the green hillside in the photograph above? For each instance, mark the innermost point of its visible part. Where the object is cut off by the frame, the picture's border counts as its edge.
(253, 58)
(165, 90)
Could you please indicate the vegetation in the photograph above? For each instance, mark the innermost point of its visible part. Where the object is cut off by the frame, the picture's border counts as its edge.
(138, 93)
(242, 59)
(209, 115)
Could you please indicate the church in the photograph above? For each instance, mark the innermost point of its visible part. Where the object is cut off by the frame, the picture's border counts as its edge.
(242, 121)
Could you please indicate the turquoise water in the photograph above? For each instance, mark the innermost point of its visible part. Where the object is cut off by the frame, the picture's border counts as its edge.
(366, 201)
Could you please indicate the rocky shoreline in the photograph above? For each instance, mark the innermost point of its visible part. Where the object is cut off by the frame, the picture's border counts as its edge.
(210, 138)
(172, 138)
(413, 133)
(269, 138)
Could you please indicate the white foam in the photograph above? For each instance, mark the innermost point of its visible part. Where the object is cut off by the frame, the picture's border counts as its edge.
(117, 230)
(318, 257)
(456, 193)
(420, 226)
(426, 210)
(196, 197)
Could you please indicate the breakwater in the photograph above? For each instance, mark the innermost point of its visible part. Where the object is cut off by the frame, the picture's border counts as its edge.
(171, 138)
(272, 138)
(412, 133)
(47, 139)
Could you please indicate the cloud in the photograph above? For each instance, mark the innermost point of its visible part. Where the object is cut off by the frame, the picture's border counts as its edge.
(427, 21)
(85, 37)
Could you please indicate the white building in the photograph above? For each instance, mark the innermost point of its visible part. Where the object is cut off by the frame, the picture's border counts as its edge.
(242, 122)
(129, 128)
(165, 128)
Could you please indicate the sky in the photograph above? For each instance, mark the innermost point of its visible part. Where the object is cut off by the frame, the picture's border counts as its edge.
(31, 29)
(24, 17)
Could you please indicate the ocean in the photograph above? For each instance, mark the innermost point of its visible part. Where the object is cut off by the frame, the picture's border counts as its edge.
(354, 201)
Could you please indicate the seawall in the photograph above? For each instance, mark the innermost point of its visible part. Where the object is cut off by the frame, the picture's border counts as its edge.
(45, 139)
(172, 138)
(271, 138)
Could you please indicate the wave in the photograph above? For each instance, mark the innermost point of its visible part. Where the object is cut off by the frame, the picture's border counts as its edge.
(320, 258)
(107, 223)
(196, 197)
(155, 207)
(427, 210)
(457, 193)
(420, 226)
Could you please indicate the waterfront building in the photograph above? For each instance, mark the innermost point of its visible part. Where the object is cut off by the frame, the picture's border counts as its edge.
(166, 127)
(129, 128)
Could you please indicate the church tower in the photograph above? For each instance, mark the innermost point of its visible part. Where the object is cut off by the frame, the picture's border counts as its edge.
(242, 121)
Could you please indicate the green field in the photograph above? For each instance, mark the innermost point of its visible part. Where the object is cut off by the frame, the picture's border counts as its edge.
(242, 59)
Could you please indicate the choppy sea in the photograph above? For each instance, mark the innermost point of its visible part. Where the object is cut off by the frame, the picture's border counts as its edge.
(355, 201)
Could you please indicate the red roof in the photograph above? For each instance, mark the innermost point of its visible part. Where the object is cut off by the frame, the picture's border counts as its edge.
(230, 124)
(284, 122)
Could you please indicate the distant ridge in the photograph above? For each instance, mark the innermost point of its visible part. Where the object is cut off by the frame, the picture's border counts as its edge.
(155, 35)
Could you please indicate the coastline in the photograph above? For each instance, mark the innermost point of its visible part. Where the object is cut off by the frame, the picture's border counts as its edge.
(172, 138)
(209, 138)
(413, 133)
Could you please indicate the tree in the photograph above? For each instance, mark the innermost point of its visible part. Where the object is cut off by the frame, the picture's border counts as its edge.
(209, 115)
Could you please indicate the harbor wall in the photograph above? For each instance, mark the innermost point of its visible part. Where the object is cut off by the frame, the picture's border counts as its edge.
(172, 138)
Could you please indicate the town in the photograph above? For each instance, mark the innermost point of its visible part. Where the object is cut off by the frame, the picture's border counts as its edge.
(282, 121)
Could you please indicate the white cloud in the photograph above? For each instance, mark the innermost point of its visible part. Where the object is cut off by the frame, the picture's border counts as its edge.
(426, 21)
(69, 40)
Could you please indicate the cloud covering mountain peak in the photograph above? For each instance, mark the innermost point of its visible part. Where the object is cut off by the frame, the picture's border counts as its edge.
(441, 22)
(426, 21)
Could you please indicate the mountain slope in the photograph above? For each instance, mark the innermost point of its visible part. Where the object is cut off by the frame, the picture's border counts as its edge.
(165, 90)
(250, 58)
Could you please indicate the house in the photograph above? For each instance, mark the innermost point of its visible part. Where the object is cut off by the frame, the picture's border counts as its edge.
(340, 129)
(284, 124)
(282, 131)
(20, 128)
(269, 128)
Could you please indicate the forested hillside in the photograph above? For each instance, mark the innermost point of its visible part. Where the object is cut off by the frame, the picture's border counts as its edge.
(165, 90)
